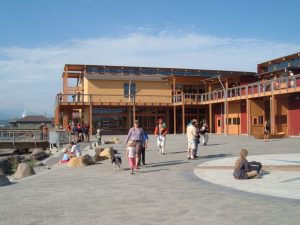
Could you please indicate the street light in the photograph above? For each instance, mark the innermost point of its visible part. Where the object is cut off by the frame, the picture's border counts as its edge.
(225, 101)
(225, 106)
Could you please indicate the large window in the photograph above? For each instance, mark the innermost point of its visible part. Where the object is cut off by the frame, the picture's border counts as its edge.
(129, 89)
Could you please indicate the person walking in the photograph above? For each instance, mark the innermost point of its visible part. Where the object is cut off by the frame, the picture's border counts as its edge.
(143, 149)
(204, 133)
(131, 154)
(267, 129)
(192, 139)
(160, 133)
(136, 135)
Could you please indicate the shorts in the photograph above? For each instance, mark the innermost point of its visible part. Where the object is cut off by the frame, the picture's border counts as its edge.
(131, 162)
(138, 146)
(161, 140)
(192, 144)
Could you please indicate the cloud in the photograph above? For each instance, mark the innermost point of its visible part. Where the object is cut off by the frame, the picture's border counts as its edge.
(32, 76)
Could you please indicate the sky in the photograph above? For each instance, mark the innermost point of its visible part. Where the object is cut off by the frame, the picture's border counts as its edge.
(38, 37)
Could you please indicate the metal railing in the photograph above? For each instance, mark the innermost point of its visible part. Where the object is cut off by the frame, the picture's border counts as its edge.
(107, 98)
(257, 89)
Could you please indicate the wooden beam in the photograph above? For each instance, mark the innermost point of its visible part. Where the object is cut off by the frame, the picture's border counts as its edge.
(91, 119)
(273, 113)
(248, 110)
(174, 120)
(183, 114)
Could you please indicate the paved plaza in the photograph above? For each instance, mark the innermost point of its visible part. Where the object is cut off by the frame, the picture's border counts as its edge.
(168, 190)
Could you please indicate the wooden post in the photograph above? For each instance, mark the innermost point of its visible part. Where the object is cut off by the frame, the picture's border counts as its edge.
(210, 118)
(273, 113)
(133, 110)
(65, 83)
(174, 107)
(91, 119)
(174, 120)
(210, 110)
(226, 109)
(183, 114)
(248, 110)
(56, 116)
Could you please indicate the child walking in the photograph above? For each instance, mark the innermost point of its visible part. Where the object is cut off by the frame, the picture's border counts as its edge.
(131, 154)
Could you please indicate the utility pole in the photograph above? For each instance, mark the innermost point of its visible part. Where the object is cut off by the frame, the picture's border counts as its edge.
(225, 106)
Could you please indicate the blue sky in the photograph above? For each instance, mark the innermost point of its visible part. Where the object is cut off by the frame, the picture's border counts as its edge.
(37, 37)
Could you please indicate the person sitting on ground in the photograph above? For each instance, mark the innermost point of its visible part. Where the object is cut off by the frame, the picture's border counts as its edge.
(65, 157)
(243, 169)
(75, 150)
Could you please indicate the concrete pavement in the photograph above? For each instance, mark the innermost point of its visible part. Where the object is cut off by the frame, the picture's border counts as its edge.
(165, 191)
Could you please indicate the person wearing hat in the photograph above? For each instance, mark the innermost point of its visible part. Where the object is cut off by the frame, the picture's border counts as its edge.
(192, 137)
(160, 133)
(136, 135)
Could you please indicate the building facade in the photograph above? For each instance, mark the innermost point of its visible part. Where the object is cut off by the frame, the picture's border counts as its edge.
(231, 102)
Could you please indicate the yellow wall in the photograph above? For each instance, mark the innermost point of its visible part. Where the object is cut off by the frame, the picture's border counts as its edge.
(256, 109)
(234, 111)
(281, 108)
(113, 91)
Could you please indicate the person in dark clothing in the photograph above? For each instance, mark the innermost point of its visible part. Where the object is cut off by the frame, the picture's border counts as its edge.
(242, 169)
(267, 129)
(142, 159)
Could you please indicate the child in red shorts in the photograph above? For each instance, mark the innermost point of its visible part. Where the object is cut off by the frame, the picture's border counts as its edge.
(131, 154)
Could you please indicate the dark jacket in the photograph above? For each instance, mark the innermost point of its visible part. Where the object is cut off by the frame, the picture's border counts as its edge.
(241, 171)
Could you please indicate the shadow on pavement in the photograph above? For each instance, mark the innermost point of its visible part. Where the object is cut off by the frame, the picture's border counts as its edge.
(167, 163)
(214, 156)
(149, 171)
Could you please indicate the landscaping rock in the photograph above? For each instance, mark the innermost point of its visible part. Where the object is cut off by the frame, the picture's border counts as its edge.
(24, 170)
(38, 154)
(6, 166)
(21, 151)
(4, 180)
(76, 162)
(112, 141)
(108, 153)
(87, 160)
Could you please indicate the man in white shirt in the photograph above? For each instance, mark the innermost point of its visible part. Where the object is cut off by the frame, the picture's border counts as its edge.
(75, 149)
(192, 136)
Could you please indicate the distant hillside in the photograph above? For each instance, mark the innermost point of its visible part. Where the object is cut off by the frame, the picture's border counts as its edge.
(4, 122)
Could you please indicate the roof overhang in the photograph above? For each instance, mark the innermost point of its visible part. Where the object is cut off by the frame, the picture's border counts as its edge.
(125, 78)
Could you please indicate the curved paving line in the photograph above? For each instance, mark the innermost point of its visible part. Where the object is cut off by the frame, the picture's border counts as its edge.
(190, 176)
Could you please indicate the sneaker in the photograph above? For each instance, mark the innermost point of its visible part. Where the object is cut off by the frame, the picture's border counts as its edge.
(163, 153)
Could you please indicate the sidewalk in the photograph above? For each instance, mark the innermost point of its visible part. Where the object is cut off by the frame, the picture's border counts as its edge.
(165, 191)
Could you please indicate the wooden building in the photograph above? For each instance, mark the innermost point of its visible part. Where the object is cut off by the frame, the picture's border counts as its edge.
(231, 102)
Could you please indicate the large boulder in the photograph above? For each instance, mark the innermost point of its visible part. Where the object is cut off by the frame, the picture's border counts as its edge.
(4, 180)
(87, 160)
(38, 154)
(112, 141)
(24, 170)
(6, 166)
(76, 162)
(107, 153)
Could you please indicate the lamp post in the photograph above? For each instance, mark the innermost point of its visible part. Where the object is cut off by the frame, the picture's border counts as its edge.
(225, 106)
(225, 100)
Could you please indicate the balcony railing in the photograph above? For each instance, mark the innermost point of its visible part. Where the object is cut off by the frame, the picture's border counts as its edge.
(112, 99)
(257, 89)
